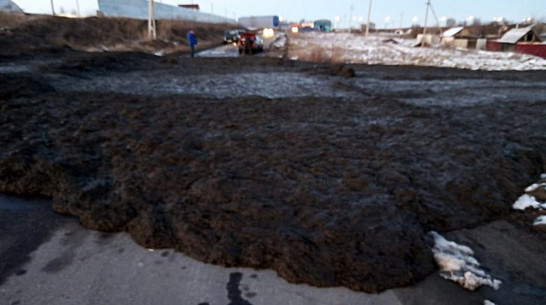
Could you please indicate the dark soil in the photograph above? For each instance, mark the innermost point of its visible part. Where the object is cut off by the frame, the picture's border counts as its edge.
(32, 34)
(326, 191)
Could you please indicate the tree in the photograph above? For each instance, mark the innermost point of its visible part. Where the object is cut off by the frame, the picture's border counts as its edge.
(450, 22)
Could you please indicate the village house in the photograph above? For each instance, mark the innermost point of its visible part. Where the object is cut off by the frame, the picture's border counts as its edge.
(520, 40)
(460, 37)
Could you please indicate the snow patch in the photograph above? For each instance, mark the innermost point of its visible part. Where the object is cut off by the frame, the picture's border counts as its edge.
(354, 48)
(527, 201)
(543, 176)
(487, 302)
(534, 187)
(458, 264)
(540, 221)
(280, 41)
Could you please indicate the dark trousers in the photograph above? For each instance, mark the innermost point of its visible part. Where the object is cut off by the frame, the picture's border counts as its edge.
(192, 50)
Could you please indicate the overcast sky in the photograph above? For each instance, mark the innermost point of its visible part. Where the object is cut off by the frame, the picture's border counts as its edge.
(384, 12)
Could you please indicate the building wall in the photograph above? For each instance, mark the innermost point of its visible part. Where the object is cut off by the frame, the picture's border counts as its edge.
(492, 46)
(463, 34)
(525, 48)
(481, 44)
(138, 9)
(532, 49)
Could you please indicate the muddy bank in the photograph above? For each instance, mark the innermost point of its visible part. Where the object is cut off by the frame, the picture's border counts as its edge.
(35, 34)
(326, 191)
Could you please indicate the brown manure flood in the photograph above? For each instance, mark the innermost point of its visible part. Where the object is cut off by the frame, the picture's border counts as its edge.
(325, 191)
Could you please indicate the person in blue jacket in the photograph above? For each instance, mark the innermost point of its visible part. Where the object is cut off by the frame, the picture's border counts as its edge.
(192, 41)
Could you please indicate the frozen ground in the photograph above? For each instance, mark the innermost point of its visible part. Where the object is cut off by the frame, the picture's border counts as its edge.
(355, 48)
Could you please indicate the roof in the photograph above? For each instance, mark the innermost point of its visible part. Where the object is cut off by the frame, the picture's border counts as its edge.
(453, 31)
(514, 35)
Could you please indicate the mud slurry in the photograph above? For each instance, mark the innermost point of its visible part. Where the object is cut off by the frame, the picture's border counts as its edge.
(326, 191)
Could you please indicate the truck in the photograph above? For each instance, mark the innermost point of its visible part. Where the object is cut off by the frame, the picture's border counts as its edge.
(260, 22)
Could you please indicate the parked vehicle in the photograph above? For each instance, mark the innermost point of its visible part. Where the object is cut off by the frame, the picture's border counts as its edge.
(250, 43)
(231, 36)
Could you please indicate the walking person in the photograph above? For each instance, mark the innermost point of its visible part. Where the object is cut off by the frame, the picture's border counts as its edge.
(192, 41)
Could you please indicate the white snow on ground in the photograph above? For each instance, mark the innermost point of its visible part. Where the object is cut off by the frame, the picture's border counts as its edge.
(543, 176)
(534, 187)
(540, 221)
(355, 48)
(527, 201)
(457, 264)
(280, 41)
(487, 302)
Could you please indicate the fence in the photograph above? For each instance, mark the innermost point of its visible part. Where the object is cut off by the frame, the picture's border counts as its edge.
(138, 9)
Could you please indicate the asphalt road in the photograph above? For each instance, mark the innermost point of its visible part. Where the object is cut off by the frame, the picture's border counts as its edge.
(51, 259)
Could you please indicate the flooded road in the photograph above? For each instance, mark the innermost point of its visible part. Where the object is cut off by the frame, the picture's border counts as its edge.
(274, 164)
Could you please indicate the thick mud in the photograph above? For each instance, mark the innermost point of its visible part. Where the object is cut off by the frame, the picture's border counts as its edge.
(327, 191)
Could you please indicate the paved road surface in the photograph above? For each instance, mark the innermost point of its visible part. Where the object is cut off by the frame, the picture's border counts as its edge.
(51, 259)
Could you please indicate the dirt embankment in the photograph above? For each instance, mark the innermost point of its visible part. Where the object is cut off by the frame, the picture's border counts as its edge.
(325, 191)
(28, 34)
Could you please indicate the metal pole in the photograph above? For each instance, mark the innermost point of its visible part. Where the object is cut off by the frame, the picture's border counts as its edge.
(52, 8)
(78, 6)
(369, 16)
(152, 34)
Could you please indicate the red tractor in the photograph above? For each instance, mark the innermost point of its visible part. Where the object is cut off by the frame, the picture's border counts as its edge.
(250, 43)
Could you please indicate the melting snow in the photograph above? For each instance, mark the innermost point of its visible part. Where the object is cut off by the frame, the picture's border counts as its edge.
(354, 48)
(540, 221)
(527, 201)
(487, 302)
(534, 187)
(457, 264)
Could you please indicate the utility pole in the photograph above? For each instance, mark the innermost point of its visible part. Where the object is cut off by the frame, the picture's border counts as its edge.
(351, 18)
(152, 33)
(369, 16)
(78, 6)
(426, 19)
(52, 8)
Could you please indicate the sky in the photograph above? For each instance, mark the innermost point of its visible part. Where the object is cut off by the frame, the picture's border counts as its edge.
(385, 13)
